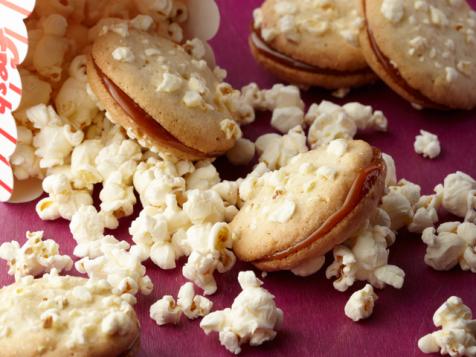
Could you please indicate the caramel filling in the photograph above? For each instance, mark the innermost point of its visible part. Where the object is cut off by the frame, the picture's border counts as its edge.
(146, 122)
(361, 186)
(393, 72)
(287, 61)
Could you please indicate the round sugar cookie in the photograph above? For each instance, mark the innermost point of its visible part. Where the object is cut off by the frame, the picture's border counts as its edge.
(164, 97)
(319, 200)
(424, 50)
(312, 43)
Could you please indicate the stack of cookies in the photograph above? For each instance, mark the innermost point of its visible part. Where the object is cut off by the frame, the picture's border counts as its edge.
(423, 50)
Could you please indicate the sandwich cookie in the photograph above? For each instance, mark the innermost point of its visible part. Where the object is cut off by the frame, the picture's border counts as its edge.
(161, 95)
(312, 43)
(300, 212)
(424, 50)
(58, 316)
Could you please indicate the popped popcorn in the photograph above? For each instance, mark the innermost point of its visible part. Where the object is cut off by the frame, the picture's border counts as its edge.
(427, 144)
(361, 303)
(425, 212)
(192, 305)
(457, 336)
(366, 258)
(329, 121)
(35, 257)
(55, 140)
(123, 54)
(451, 244)
(231, 129)
(242, 153)
(63, 200)
(117, 198)
(252, 318)
(399, 203)
(25, 163)
(286, 118)
(122, 269)
(210, 250)
(165, 311)
(276, 150)
(203, 177)
(150, 231)
(204, 206)
(118, 156)
(459, 194)
(84, 173)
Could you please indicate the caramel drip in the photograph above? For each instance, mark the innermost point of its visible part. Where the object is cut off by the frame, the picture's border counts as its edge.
(393, 72)
(271, 53)
(146, 122)
(359, 189)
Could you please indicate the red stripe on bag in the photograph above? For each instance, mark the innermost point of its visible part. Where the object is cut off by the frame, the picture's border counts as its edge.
(2, 159)
(16, 8)
(6, 187)
(14, 88)
(8, 136)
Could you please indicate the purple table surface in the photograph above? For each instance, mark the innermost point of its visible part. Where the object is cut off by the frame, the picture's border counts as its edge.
(314, 320)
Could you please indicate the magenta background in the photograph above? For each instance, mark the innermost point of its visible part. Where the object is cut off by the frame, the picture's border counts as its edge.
(314, 320)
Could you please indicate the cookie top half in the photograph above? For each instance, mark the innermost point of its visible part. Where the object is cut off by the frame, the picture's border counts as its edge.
(321, 33)
(180, 93)
(430, 45)
(65, 316)
(289, 205)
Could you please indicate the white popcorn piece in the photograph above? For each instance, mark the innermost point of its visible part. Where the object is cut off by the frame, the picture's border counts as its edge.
(86, 224)
(276, 150)
(192, 305)
(457, 336)
(123, 54)
(427, 144)
(283, 211)
(35, 257)
(193, 99)
(391, 177)
(203, 177)
(452, 244)
(242, 153)
(55, 140)
(117, 198)
(195, 48)
(426, 214)
(142, 22)
(25, 163)
(458, 194)
(399, 203)
(63, 200)
(118, 156)
(204, 206)
(393, 10)
(328, 122)
(150, 231)
(337, 147)
(309, 266)
(281, 96)
(252, 318)
(165, 311)
(210, 250)
(361, 304)
(228, 191)
(122, 269)
(286, 118)
(366, 260)
(365, 118)
(170, 83)
(84, 173)
(231, 129)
